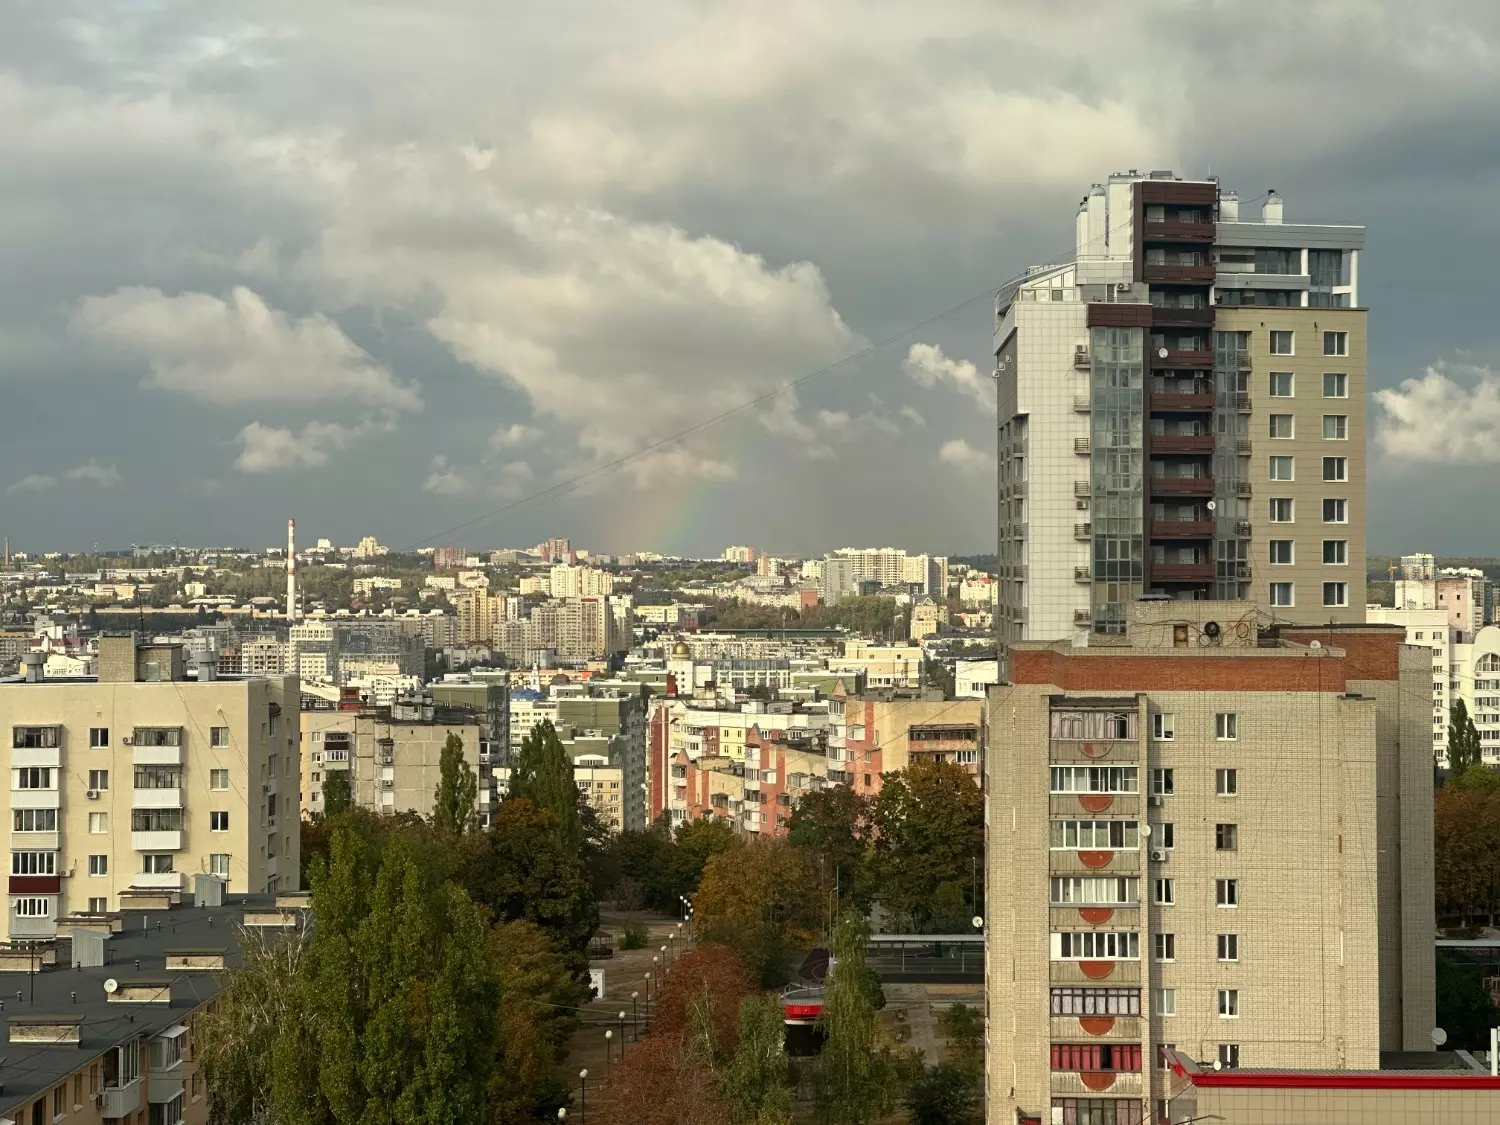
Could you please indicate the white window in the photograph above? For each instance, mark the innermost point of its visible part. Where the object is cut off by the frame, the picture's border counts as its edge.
(218, 864)
(1166, 1001)
(1226, 837)
(1166, 947)
(1283, 552)
(1094, 779)
(1336, 553)
(1162, 782)
(1336, 468)
(1227, 783)
(1335, 384)
(98, 865)
(1283, 426)
(1229, 1054)
(1281, 593)
(1163, 727)
(33, 863)
(1229, 1003)
(1227, 892)
(1335, 593)
(1163, 893)
(1166, 835)
(34, 820)
(1335, 343)
(1096, 946)
(1283, 468)
(1282, 343)
(218, 821)
(218, 779)
(1335, 427)
(98, 779)
(218, 736)
(33, 907)
(98, 738)
(32, 777)
(157, 863)
(1229, 947)
(98, 823)
(1335, 511)
(1226, 726)
(99, 906)
(1281, 509)
(1093, 890)
(1282, 384)
(1094, 835)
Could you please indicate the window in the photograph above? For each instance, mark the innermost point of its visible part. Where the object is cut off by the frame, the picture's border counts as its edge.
(167, 1113)
(36, 738)
(1162, 782)
(1166, 1001)
(32, 777)
(1093, 945)
(1093, 890)
(1282, 343)
(1096, 1057)
(165, 1052)
(1227, 783)
(157, 863)
(98, 822)
(1229, 947)
(1281, 593)
(158, 777)
(33, 863)
(1226, 726)
(1281, 509)
(1336, 593)
(1281, 384)
(33, 907)
(218, 736)
(1229, 1054)
(1095, 779)
(34, 820)
(1094, 835)
(1335, 511)
(1166, 947)
(1336, 468)
(1283, 426)
(1336, 553)
(1335, 384)
(218, 821)
(1282, 552)
(60, 1100)
(158, 736)
(1163, 727)
(1282, 468)
(98, 865)
(1226, 837)
(1074, 1001)
(78, 1090)
(156, 820)
(1163, 893)
(218, 864)
(1335, 343)
(1168, 833)
(1227, 891)
(1229, 1003)
(99, 906)
(98, 738)
(98, 779)
(1335, 427)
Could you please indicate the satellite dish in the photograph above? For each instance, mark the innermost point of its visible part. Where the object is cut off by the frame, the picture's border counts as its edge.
(1213, 505)
(111, 986)
(1145, 830)
(1314, 644)
(1439, 1037)
(1211, 628)
(977, 921)
(1218, 1064)
(1162, 353)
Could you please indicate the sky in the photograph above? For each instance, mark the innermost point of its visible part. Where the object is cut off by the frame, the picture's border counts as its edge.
(478, 272)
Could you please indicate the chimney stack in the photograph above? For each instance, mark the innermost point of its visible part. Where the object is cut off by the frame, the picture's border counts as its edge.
(33, 664)
(291, 572)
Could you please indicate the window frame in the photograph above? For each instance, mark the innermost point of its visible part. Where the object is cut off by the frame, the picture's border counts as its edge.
(1226, 781)
(1290, 384)
(1227, 836)
(1226, 726)
(1276, 421)
(1341, 548)
(1227, 893)
(1276, 336)
(1163, 947)
(1339, 590)
(1228, 1002)
(1342, 425)
(1281, 460)
(99, 864)
(1227, 948)
(1339, 340)
(1343, 387)
(1339, 464)
(1286, 546)
(1291, 508)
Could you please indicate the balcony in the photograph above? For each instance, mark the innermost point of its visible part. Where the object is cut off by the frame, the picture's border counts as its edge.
(35, 884)
(1108, 1084)
(1182, 572)
(34, 841)
(164, 1086)
(1173, 401)
(1173, 273)
(1083, 531)
(156, 799)
(1182, 358)
(1176, 314)
(36, 756)
(23, 927)
(1106, 1029)
(1242, 528)
(1082, 574)
(1182, 529)
(1081, 358)
(1073, 972)
(1182, 443)
(120, 1101)
(1242, 488)
(1082, 445)
(1244, 445)
(1182, 486)
(1242, 403)
(1177, 230)
(34, 799)
(1082, 488)
(156, 755)
(157, 880)
(168, 841)
(1082, 404)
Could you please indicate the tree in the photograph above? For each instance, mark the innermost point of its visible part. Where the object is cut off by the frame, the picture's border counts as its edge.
(761, 900)
(834, 825)
(337, 796)
(543, 774)
(756, 1085)
(929, 836)
(537, 996)
(856, 1082)
(1465, 1009)
(455, 804)
(698, 841)
(943, 1095)
(710, 969)
(1463, 741)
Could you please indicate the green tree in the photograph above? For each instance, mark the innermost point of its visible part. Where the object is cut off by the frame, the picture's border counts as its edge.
(698, 841)
(833, 824)
(543, 774)
(455, 804)
(856, 1081)
(538, 995)
(756, 1084)
(929, 836)
(1463, 741)
(943, 1095)
(337, 796)
(1465, 1009)
(761, 900)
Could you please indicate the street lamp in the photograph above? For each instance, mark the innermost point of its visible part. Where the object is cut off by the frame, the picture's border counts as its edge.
(622, 1036)
(666, 962)
(583, 1092)
(635, 1021)
(562, 1112)
(609, 1056)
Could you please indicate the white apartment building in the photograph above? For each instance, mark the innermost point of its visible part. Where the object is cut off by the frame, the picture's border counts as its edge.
(126, 786)
(580, 582)
(1182, 412)
(892, 566)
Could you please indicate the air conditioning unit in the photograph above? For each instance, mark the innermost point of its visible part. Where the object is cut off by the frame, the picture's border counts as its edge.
(98, 1100)
(1122, 287)
(1081, 505)
(92, 794)
(1159, 855)
(1156, 800)
(127, 740)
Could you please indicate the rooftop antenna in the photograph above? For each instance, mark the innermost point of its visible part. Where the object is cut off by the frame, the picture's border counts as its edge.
(291, 572)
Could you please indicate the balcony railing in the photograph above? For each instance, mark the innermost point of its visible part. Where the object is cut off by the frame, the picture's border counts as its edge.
(1182, 572)
(1177, 230)
(1082, 404)
(1242, 528)
(1182, 357)
(1082, 616)
(1182, 402)
(1083, 531)
(1182, 529)
(1242, 403)
(1082, 488)
(121, 1101)
(1244, 445)
(1182, 486)
(1081, 359)
(1082, 574)
(1177, 273)
(1182, 443)
(1082, 445)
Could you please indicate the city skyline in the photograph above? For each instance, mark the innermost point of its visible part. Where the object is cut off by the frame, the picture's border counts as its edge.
(202, 333)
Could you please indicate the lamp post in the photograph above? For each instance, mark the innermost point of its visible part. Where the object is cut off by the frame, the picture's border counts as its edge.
(666, 961)
(622, 1035)
(583, 1093)
(562, 1112)
(609, 1052)
(635, 1019)
(648, 1000)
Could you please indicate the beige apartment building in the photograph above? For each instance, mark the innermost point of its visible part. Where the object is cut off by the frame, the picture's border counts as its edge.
(125, 786)
(1211, 833)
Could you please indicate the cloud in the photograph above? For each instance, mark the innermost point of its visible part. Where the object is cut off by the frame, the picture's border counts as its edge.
(509, 480)
(911, 414)
(90, 472)
(927, 364)
(834, 419)
(267, 449)
(240, 351)
(964, 457)
(1450, 415)
(507, 437)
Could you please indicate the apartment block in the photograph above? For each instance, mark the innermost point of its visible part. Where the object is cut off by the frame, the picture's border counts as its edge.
(1182, 413)
(1206, 836)
(881, 731)
(125, 786)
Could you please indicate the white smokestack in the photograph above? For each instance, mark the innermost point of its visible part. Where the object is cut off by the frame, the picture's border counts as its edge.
(291, 571)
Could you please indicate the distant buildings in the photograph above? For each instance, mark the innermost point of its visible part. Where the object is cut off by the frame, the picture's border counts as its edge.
(739, 554)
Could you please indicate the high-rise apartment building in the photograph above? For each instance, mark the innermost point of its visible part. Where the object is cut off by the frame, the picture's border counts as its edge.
(1208, 837)
(1182, 412)
(125, 786)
